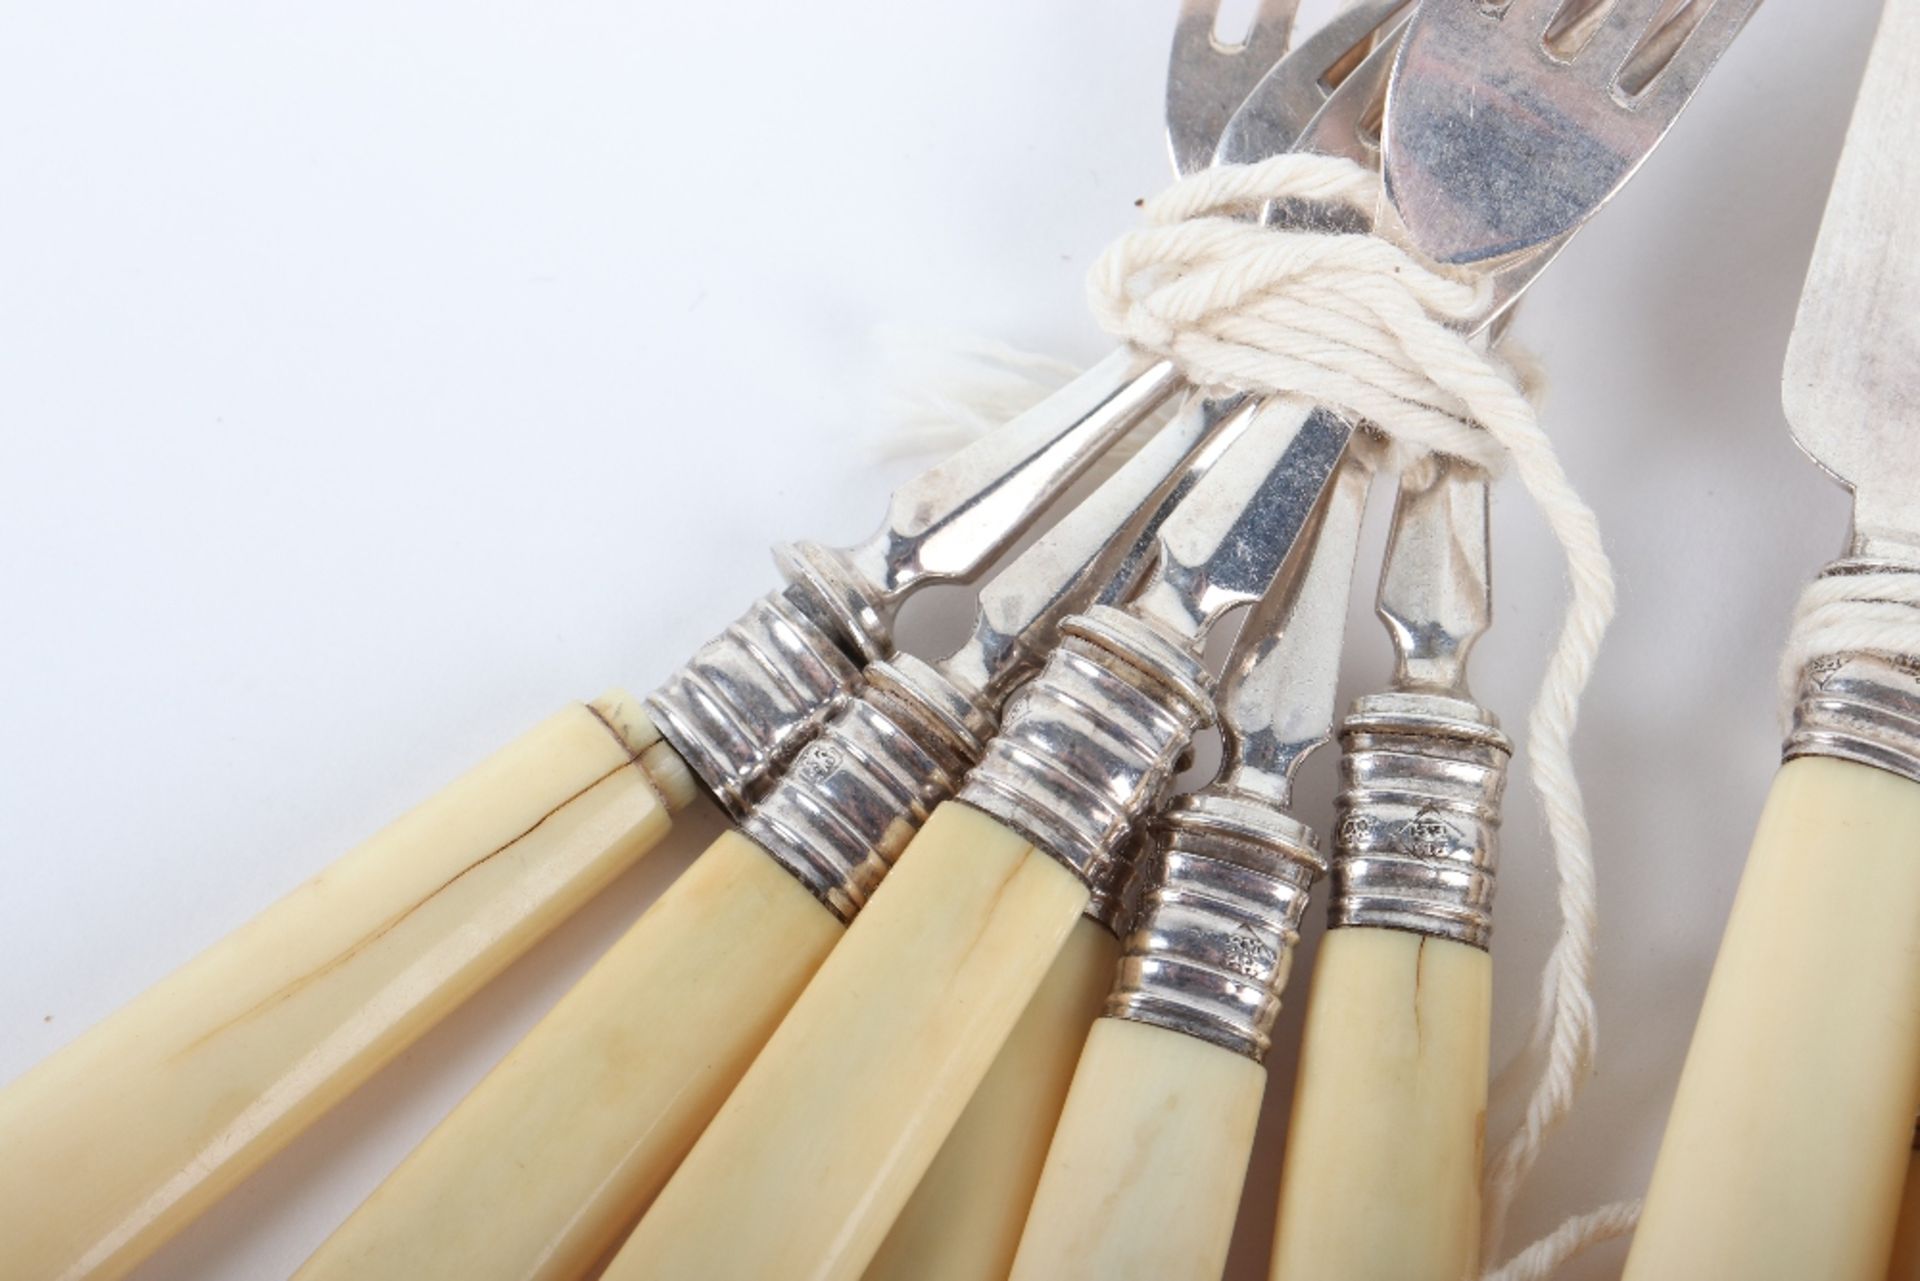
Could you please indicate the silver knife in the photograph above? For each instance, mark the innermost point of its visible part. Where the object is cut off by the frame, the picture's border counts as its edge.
(1787, 1148)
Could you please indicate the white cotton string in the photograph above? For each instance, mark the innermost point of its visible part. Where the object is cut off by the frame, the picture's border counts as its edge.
(1871, 612)
(947, 389)
(1552, 1252)
(1355, 323)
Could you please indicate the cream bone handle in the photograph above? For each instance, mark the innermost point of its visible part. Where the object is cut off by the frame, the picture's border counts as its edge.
(751, 698)
(1143, 1175)
(1142, 1179)
(118, 1140)
(1171, 1116)
(350, 969)
(1392, 1084)
(807, 1164)
(812, 1158)
(963, 1221)
(1382, 1168)
(1787, 1146)
(543, 1167)
(538, 1172)
(655, 1036)
(1381, 1177)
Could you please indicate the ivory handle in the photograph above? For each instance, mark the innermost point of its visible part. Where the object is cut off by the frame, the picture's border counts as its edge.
(1788, 1141)
(117, 1141)
(1381, 1180)
(1143, 1178)
(542, 1169)
(963, 1221)
(810, 1161)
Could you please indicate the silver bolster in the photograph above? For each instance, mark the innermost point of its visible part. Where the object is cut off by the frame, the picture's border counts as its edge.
(751, 697)
(1221, 899)
(1114, 890)
(1419, 817)
(1085, 748)
(1860, 707)
(860, 790)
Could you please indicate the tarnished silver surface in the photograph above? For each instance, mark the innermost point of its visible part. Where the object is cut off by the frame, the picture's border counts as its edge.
(1227, 544)
(950, 522)
(1277, 111)
(1207, 79)
(1277, 696)
(1094, 555)
(1861, 707)
(1419, 815)
(857, 794)
(1087, 746)
(961, 514)
(1851, 388)
(1851, 384)
(1226, 879)
(750, 697)
(1222, 538)
(1436, 585)
(1085, 749)
(1221, 900)
(754, 694)
(1483, 94)
(1424, 765)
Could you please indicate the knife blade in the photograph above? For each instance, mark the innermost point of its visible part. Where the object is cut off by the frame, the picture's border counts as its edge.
(1851, 384)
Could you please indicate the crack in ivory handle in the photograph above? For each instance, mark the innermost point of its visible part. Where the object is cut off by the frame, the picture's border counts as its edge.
(547, 1163)
(117, 1141)
(1382, 1170)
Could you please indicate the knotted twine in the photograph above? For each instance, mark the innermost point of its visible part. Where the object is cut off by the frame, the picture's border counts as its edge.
(1355, 323)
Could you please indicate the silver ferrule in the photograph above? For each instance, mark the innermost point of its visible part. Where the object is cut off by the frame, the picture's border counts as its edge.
(1220, 902)
(1858, 706)
(859, 791)
(752, 696)
(1419, 816)
(1086, 747)
(1115, 889)
(828, 585)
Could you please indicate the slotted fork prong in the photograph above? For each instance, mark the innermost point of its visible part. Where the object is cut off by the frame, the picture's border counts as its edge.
(1535, 15)
(1675, 82)
(1626, 25)
(1207, 80)
(1497, 144)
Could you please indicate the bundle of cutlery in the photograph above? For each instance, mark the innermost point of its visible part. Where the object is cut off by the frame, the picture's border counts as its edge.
(982, 981)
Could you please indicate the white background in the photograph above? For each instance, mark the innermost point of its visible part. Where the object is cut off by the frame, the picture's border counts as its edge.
(376, 377)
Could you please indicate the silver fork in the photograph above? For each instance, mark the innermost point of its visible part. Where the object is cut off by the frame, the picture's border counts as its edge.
(1498, 144)
(1207, 957)
(1496, 140)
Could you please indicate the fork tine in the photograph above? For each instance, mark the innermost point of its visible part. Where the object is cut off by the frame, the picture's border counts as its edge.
(1207, 80)
(1537, 15)
(1676, 82)
(1625, 26)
